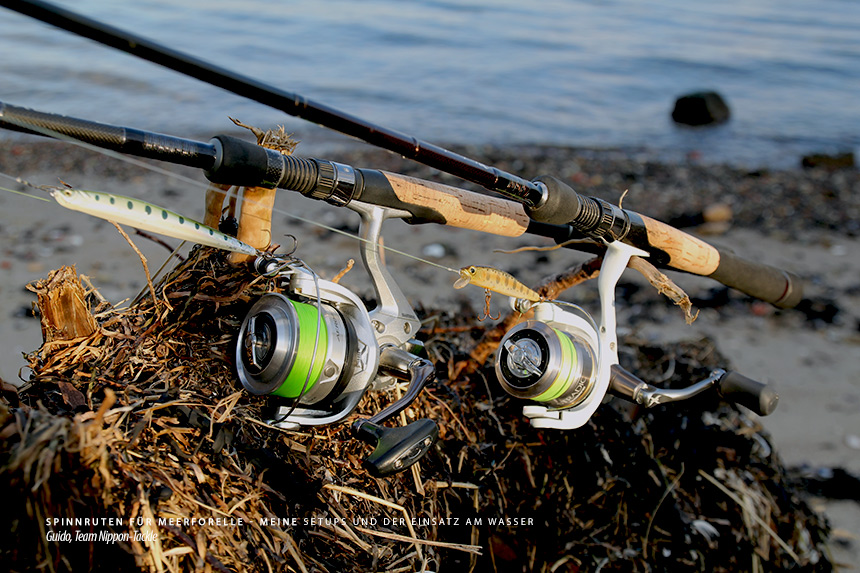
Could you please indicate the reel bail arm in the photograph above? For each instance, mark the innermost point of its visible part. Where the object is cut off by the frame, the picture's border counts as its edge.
(393, 318)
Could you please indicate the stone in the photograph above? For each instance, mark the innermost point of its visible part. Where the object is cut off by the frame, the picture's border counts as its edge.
(701, 108)
(827, 161)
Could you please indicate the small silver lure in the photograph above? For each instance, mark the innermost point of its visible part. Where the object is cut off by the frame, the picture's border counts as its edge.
(147, 217)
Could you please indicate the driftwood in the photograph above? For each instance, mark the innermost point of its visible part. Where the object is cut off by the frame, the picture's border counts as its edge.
(215, 195)
(64, 311)
(255, 220)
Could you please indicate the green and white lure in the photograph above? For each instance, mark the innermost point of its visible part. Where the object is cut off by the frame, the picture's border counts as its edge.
(147, 217)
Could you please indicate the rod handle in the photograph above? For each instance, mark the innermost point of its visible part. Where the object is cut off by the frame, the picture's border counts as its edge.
(681, 251)
(666, 245)
(240, 162)
(431, 202)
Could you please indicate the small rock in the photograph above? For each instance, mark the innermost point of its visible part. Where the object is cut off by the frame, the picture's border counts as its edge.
(717, 213)
(833, 162)
(820, 309)
(436, 251)
(701, 108)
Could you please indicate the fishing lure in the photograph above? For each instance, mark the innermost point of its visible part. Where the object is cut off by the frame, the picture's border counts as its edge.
(146, 216)
(494, 280)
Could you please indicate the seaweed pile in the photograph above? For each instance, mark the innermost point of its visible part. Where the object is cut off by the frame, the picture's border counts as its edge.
(141, 435)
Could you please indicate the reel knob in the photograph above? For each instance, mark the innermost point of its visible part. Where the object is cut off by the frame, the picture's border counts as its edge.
(545, 364)
(395, 449)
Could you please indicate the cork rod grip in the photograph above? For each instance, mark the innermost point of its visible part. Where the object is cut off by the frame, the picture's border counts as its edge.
(458, 207)
(684, 252)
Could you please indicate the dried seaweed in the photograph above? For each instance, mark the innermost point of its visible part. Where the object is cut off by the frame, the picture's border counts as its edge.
(145, 420)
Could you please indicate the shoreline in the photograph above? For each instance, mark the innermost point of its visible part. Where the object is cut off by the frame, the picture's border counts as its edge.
(806, 221)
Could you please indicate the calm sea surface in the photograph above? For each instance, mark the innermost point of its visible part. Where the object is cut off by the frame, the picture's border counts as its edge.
(599, 74)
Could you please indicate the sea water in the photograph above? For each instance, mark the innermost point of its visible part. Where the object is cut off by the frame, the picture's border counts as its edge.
(601, 73)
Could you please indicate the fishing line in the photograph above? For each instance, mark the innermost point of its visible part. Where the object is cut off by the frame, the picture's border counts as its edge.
(21, 192)
(298, 399)
(199, 184)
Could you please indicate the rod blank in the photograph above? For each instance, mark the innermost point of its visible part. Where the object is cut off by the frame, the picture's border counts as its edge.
(293, 104)
(121, 139)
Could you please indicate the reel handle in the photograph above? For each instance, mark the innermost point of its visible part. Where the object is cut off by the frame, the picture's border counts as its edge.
(395, 449)
(731, 386)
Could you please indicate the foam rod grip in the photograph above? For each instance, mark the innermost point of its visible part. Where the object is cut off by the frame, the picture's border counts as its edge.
(756, 396)
(764, 282)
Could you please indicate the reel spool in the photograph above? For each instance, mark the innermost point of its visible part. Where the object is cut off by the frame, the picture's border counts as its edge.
(549, 362)
(276, 352)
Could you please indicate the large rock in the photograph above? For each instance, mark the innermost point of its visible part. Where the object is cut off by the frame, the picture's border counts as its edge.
(701, 108)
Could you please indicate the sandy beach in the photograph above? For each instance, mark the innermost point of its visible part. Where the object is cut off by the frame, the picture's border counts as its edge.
(805, 221)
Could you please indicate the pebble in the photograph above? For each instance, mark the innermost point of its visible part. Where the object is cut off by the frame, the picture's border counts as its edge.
(435, 251)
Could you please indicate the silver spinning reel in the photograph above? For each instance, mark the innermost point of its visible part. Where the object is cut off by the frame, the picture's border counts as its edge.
(314, 344)
(567, 363)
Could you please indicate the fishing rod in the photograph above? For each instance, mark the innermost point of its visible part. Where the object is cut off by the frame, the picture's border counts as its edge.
(546, 200)
(315, 342)
(507, 184)
(230, 160)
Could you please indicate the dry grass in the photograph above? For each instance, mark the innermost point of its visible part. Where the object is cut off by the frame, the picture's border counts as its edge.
(145, 419)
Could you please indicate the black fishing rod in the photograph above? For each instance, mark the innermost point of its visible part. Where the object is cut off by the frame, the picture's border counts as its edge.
(549, 204)
(233, 161)
(529, 193)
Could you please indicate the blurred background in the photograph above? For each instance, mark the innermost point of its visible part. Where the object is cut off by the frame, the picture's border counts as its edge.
(601, 73)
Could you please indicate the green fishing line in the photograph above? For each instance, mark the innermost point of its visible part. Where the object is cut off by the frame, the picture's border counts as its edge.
(564, 379)
(305, 361)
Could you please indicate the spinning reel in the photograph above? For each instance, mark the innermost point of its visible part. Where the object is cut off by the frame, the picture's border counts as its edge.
(315, 343)
(567, 363)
